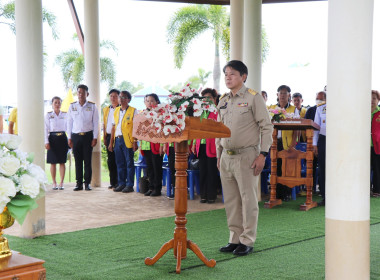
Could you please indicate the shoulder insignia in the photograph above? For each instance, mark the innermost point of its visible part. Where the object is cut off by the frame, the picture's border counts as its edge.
(64, 112)
(323, 103)
(74, 102)
(223, 95)
(50, 112)
(251, 91)
(91, 102)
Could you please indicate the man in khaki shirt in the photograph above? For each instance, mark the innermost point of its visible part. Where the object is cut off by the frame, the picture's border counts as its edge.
(241, 157)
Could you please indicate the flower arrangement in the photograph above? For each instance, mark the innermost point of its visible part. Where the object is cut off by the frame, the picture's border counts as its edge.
(21, 181)
(170, 117)
(277, 114)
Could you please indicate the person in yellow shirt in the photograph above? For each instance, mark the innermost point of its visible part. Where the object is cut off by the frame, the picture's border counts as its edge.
(284, 137)
(123, 143)
(12, 122)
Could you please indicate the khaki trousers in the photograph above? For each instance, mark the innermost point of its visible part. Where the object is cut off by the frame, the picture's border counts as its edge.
(240, 195)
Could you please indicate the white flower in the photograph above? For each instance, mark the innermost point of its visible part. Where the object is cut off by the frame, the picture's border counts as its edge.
(183, 106)
(9, 165)
(13, 142)
(29, 186)
(38, 173)
(158, 127)
(7, 188)
(3, 202)
(197, 112)
(4, 138)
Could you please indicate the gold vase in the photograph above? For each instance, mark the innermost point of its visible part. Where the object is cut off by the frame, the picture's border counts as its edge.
(6, 221)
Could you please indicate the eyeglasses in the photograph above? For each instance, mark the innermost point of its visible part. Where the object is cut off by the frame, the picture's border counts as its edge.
(123, 97)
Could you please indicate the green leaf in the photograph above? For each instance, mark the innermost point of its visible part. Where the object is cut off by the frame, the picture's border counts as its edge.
(20, 205)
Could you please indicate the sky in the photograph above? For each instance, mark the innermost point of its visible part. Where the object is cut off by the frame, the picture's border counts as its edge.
(296, 32)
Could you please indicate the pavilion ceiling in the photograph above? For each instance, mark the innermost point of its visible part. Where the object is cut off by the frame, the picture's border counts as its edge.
(226, 2)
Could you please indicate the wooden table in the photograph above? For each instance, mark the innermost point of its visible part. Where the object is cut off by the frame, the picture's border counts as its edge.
(291, 162)
(20, 267)
(195, 129)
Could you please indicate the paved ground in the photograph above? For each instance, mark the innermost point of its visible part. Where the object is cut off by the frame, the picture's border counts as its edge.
(68, 211)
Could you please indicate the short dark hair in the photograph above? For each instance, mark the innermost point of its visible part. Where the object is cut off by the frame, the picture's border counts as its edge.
(56, 97)
(82, 86)
(114, 90)
(127, 93)
(213, 92)
(155, 96)
(324, 93)
(264, 92)
(284, 87)
(376, 93)
(238, 66)
(297, 94)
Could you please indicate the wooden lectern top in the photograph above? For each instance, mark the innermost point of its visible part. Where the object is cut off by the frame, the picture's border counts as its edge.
(296, 124)
(195, 129)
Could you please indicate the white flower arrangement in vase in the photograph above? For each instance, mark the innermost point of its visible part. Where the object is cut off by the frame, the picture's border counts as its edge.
(21, 181)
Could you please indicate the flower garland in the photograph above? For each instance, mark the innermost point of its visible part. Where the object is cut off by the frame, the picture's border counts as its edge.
(170, 117)
(21, 181)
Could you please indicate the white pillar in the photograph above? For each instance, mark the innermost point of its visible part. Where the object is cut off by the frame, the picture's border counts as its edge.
(236, 29)
(92, 74)
(348, 137)
(30, 97)
(252, 43)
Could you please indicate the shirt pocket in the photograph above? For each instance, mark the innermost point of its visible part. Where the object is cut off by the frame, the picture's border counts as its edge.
(245, 115)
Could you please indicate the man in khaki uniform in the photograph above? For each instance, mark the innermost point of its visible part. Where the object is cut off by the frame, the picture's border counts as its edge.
(241, 157)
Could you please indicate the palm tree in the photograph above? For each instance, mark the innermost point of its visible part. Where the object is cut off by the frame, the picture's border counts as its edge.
(7, 16)
(188, 22)
(72, 66)
(200, 79)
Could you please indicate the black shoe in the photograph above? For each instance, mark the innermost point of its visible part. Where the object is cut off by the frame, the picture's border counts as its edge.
(170, 197)
(148, 193)
(127, 190)
(88, 187)
(229, 248)
(322, 202)
(242, 250)
(78, 188)
(211, 201)
(111, 187)
(155, 193)
(118, 189)
(203, 200)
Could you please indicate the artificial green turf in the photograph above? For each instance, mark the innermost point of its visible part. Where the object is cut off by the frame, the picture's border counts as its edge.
(290, 245)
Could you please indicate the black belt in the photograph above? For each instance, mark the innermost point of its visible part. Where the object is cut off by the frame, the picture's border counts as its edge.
(83, 133)
(120, 136)
(57, 133)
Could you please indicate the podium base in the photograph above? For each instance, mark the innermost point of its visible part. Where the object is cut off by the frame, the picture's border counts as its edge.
(189, 245)
(272, 203)
(307, 206)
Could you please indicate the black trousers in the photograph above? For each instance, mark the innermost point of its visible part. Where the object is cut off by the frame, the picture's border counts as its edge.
(171, 161)
(322, 164)
(375, 167)
(208, 174)
(111, 162)
(82, 153)
(154, 170)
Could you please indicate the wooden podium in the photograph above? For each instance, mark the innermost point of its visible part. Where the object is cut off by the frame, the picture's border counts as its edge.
(21, 267)
(194, 129)
(291, 162)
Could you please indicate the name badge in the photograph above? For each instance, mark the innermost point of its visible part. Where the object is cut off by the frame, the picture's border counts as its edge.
(88, 109)
(52, 117)
(324, 110)
(245, 104)
(224, 106)
(128, 117)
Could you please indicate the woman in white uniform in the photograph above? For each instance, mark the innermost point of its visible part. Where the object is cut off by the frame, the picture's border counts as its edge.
(56, 141)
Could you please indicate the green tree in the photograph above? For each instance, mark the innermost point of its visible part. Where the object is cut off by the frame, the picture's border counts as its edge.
(8, 17)
(199, 80)
(72, 66)
(189, 22)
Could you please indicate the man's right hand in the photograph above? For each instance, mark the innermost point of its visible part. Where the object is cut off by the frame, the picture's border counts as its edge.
(218, 164)
(110, 147)
(70, 144)
(105, 140)
(315, 150)
(47, 146)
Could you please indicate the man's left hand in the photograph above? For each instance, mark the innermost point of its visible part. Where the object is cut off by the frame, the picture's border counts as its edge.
(94, 142)
(258, 165)
(135, 147)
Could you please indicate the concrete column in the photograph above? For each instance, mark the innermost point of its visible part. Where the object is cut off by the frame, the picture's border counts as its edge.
(30, 97)
(347, 252)
(92, 74)
(252, 43)
(236, 29)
